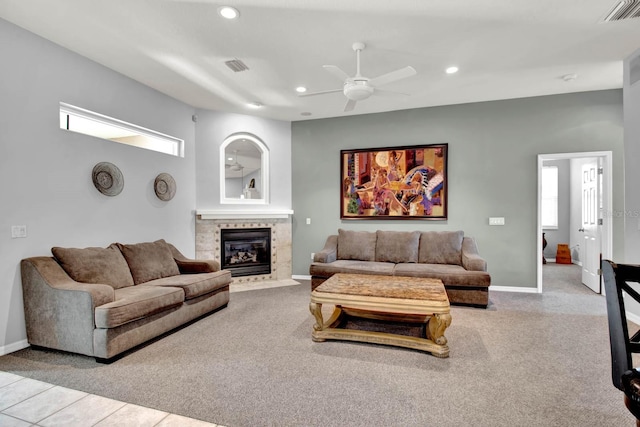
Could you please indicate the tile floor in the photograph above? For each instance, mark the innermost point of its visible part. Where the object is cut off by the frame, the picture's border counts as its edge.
(25, 402)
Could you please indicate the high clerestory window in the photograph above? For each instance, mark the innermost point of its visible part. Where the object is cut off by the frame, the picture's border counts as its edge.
(87, 122)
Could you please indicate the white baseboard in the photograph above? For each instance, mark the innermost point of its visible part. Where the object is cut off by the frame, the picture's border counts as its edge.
(301, 277)
(513, 289)
(6, 349)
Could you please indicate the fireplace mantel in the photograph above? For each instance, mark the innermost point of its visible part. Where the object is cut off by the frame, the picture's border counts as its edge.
(243, 214)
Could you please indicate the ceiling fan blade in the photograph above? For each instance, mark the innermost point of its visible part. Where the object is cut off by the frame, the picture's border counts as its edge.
(350, 105)
(389, 93)
(393, 76)
(322, 92)
(336, 71)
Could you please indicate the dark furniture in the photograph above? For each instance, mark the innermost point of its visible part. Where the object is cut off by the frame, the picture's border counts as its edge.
(616, 280)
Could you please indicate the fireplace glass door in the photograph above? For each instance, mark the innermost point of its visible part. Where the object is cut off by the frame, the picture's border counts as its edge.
(246, 252)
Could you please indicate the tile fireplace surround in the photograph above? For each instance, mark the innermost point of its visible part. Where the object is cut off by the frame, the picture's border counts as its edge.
(209, 224)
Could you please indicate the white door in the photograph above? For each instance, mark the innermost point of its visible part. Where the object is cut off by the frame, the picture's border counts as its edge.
(591, 181)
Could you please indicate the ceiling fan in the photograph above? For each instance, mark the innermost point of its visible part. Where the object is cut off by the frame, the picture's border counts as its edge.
(359, 87)
(235, 166)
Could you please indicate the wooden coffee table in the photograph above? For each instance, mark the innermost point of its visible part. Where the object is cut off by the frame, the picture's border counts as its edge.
(405, 300)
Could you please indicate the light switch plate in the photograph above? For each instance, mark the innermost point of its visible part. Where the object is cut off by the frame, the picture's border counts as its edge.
(496, 221)
(18, 231)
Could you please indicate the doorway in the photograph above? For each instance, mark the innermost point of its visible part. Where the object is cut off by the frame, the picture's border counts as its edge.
(602, 224)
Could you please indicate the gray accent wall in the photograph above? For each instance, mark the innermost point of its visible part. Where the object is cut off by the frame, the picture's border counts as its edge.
(46, 172)
(492, 170)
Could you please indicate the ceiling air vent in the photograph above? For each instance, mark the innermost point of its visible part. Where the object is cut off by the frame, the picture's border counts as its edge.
(625, 9)
(236, 65)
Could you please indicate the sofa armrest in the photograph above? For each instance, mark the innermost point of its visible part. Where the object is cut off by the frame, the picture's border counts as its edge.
(471, 260)
(59, 312)
(330, 251)
(193, 266)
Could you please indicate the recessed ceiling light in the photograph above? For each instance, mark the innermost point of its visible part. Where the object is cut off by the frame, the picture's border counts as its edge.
(452, 70)
(255, 105)
(228, 12)
(301, 89)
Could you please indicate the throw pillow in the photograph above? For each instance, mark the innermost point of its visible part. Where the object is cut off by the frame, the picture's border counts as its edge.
(397, 246)
(358, 245)
(441, 247)
(149, 261)
(95, 265)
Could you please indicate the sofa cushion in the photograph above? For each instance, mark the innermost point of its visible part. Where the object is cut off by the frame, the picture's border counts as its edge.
(357, 245)
(320, 269)
(451, 275)
(194, 285)
(95, 265)
(149, 261)
(441, 247)
(397, 246)
(136, 302)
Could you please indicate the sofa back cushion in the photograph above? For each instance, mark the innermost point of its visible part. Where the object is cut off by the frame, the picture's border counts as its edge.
(358, 245)
(441, 247)
(397, 246)
(149, 261)
(95, 265)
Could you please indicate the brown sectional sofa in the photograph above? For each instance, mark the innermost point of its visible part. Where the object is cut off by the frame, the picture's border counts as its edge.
(445, 255)
(101, 302)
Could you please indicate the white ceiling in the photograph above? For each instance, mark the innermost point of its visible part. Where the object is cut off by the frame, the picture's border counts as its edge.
(504, 48)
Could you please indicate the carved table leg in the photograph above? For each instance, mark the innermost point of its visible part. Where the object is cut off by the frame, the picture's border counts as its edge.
(436, 327)
(316, 310)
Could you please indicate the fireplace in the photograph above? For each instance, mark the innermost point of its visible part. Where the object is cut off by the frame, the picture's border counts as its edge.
(246, 252)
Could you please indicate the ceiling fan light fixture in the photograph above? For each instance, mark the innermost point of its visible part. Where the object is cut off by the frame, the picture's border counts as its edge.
(228, 12)
(358, 92)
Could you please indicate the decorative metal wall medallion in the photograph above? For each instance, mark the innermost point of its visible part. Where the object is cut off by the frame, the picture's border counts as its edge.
(107, 179)
(165, 187)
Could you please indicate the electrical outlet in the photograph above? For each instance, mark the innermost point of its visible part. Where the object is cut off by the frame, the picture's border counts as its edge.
(496, 221)
(313, 255)
(18, 231)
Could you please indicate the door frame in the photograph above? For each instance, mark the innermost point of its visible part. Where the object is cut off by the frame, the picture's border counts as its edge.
(606, 240)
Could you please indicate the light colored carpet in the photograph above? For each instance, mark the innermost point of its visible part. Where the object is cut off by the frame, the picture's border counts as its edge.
(529, 359)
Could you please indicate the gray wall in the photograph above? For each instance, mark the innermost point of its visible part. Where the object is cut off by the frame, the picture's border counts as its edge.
(46, 172)
(631, 212)
(493, 150)
(213, 128)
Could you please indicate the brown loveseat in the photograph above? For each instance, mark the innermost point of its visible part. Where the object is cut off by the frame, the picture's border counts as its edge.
(103, 301)
(445, 255)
